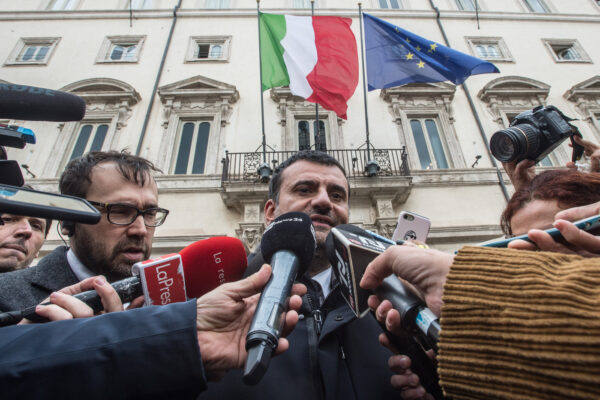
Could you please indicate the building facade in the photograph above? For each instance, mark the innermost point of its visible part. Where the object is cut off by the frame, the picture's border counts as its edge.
(177, 82)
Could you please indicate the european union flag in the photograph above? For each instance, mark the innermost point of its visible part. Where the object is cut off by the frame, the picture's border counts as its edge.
(396, 57)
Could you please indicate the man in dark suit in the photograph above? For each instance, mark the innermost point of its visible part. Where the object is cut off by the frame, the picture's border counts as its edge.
(121, 186)
(21, 238)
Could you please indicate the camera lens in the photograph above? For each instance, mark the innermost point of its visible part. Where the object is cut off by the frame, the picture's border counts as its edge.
(515, 143)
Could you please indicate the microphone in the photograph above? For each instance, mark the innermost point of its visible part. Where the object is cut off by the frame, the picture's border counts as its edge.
(350, 249)
(32, 103)
(205, 264)
(288, 244)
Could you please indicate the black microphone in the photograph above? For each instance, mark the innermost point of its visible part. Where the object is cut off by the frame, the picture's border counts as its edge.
(32, 103)
(288, 244)
(350, 249)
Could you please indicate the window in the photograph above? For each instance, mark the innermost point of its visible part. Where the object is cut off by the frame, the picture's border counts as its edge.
(566, 50)
(306, 135)
(217, 4)
(139, 4)
(537, 6)
(208, 48)
(113, 103)
(90, 138)
(196, 113)
(390, 4)
(423, 115)
(191, 147)
(36, 51)
(303, 4)
(121, 49)
(59, 5)
(430, 150)
(489, 48)
(466, 5)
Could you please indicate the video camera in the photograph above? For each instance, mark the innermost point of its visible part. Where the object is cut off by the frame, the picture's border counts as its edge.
(534, 134)
(31, 103)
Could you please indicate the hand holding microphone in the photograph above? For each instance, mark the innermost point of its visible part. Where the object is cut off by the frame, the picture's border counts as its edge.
(206, 264)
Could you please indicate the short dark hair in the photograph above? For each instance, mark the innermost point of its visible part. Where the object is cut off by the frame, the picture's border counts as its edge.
(48, 220)
(570, 188)
(317, 157)
(75, 179)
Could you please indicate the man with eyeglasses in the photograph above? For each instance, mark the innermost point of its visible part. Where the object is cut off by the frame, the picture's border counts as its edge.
(121, 186)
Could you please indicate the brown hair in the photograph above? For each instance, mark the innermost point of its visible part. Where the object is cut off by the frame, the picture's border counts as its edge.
(570, 188)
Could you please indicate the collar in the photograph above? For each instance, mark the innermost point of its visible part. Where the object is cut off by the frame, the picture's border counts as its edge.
(80, 270)
(324, 278)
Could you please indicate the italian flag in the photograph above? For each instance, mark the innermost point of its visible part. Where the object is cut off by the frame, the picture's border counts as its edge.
(315, 56)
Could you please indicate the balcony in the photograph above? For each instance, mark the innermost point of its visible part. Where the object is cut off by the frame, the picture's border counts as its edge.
(382, 185)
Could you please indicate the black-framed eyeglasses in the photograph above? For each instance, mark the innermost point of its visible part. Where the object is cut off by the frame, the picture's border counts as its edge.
(126, 214)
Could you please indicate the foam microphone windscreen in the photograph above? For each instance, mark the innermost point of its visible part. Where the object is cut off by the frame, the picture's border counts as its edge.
(31, 103)
(210, 262)
(292, 231)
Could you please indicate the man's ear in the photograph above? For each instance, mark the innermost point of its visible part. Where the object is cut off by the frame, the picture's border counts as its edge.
(270, 208)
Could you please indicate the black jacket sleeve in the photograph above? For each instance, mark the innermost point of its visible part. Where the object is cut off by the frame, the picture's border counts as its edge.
(144, 353)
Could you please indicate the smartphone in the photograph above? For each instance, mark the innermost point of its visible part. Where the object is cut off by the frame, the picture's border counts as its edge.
(587, 224)
(411, 226)
(33, 203)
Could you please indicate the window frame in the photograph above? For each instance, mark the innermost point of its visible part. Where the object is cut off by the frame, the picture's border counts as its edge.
(551, 45)
(306, 6)
(110, 42)
(474, 41)
(195, 41)
(388, 2)
(25, 42)
(426, 100)
(311, 123)
(95, 123)
(52, 3)
(543, 3)
(219, 7)
(195, 135)
(459, 5)
(422, 118)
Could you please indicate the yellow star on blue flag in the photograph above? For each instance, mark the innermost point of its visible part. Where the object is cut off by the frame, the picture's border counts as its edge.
(396, 57)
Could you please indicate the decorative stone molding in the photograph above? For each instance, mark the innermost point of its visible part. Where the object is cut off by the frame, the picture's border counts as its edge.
(586, 96)
(250, 235)
(108, 100)
(512, 94)
(386, 226)
(197, 97)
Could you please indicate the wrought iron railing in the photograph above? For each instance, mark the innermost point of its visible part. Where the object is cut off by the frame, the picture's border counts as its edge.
(243, 167)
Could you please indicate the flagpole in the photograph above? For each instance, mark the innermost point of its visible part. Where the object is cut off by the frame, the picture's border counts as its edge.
(371, 166)
(318, 126)
(264, 170)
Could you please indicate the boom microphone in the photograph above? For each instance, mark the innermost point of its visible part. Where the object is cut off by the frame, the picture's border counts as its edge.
(32, 103)
(206, 264)
(350, 249)
(288, 244)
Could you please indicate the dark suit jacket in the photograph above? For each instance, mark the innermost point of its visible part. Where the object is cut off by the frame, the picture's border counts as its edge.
(146, 353)
(27, 287)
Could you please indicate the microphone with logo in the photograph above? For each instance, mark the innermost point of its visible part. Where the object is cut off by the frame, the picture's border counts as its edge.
(288, 244)
(350, 249)
(194, 271)
(32, 103)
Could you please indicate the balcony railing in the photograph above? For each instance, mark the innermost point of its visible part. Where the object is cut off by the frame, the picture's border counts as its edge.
(243, 167)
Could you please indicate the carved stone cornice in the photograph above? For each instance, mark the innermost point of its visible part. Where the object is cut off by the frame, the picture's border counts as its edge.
(418, 95)
(586, 96)
(198, 93)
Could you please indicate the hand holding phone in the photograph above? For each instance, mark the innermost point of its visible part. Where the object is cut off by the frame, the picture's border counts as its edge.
(586, 224)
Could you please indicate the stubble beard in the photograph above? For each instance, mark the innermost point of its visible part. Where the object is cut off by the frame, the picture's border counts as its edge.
(92, 254)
